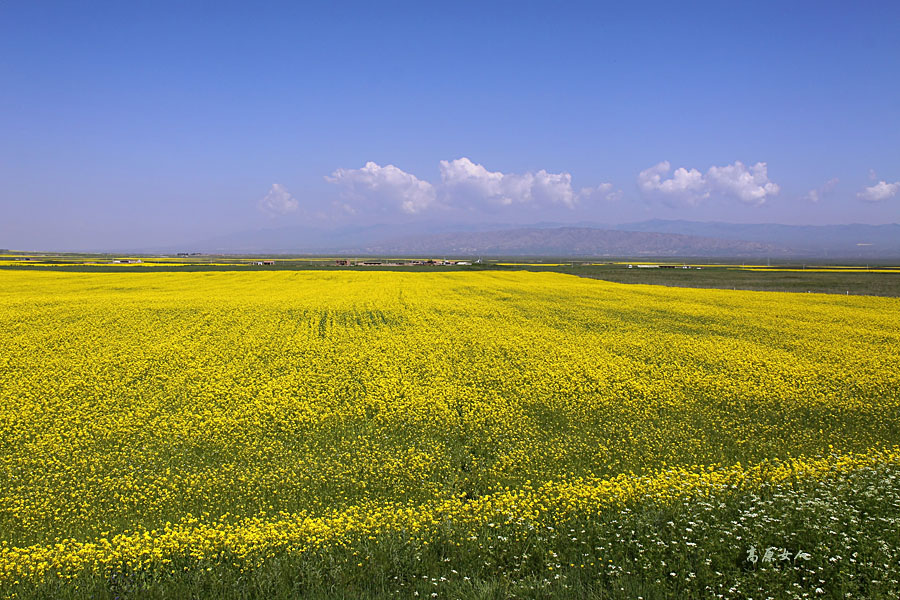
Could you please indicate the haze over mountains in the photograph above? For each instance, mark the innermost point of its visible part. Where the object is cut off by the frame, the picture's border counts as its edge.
(646, 238)
(827, 241)
(570, 241)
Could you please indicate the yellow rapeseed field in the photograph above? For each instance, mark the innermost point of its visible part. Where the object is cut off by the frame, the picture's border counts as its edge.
(146, 416)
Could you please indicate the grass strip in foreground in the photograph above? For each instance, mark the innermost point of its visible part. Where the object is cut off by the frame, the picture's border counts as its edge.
(250, 545)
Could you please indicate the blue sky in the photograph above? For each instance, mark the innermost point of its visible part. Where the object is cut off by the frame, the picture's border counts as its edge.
(127, 124)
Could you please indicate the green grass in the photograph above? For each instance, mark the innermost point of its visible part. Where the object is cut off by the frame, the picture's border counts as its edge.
(861, 284)
(834, 538)
(713, 277)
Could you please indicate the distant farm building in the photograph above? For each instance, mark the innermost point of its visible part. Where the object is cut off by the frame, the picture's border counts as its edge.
(662, 267)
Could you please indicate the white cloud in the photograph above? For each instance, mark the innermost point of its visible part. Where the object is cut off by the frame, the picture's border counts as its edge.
(551, 188)
(603, 192)
(879, 192)
(816, 194)
(750, 185)
(464, 185)
(465, 182)
(685, 186)
(388, 187)
(462, 176)
(278, 201)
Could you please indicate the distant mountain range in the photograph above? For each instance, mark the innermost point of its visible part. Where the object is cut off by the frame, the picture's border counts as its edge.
(569, 241)
(824, 241)
(317, 240)
(647, 238)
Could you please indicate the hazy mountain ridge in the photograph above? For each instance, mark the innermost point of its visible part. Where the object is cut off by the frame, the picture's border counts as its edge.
(838, 241)
(313, 239)
(568, 241)
(646, 238)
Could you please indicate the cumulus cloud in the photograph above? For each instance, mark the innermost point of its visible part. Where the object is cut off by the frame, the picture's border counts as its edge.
(816, 194)
(278, 201)
(879, 192)
(549, 188)
(464, 185)
(750, 185)
(688, 186)
(603, 192)
(463, 181)
(389, 187)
